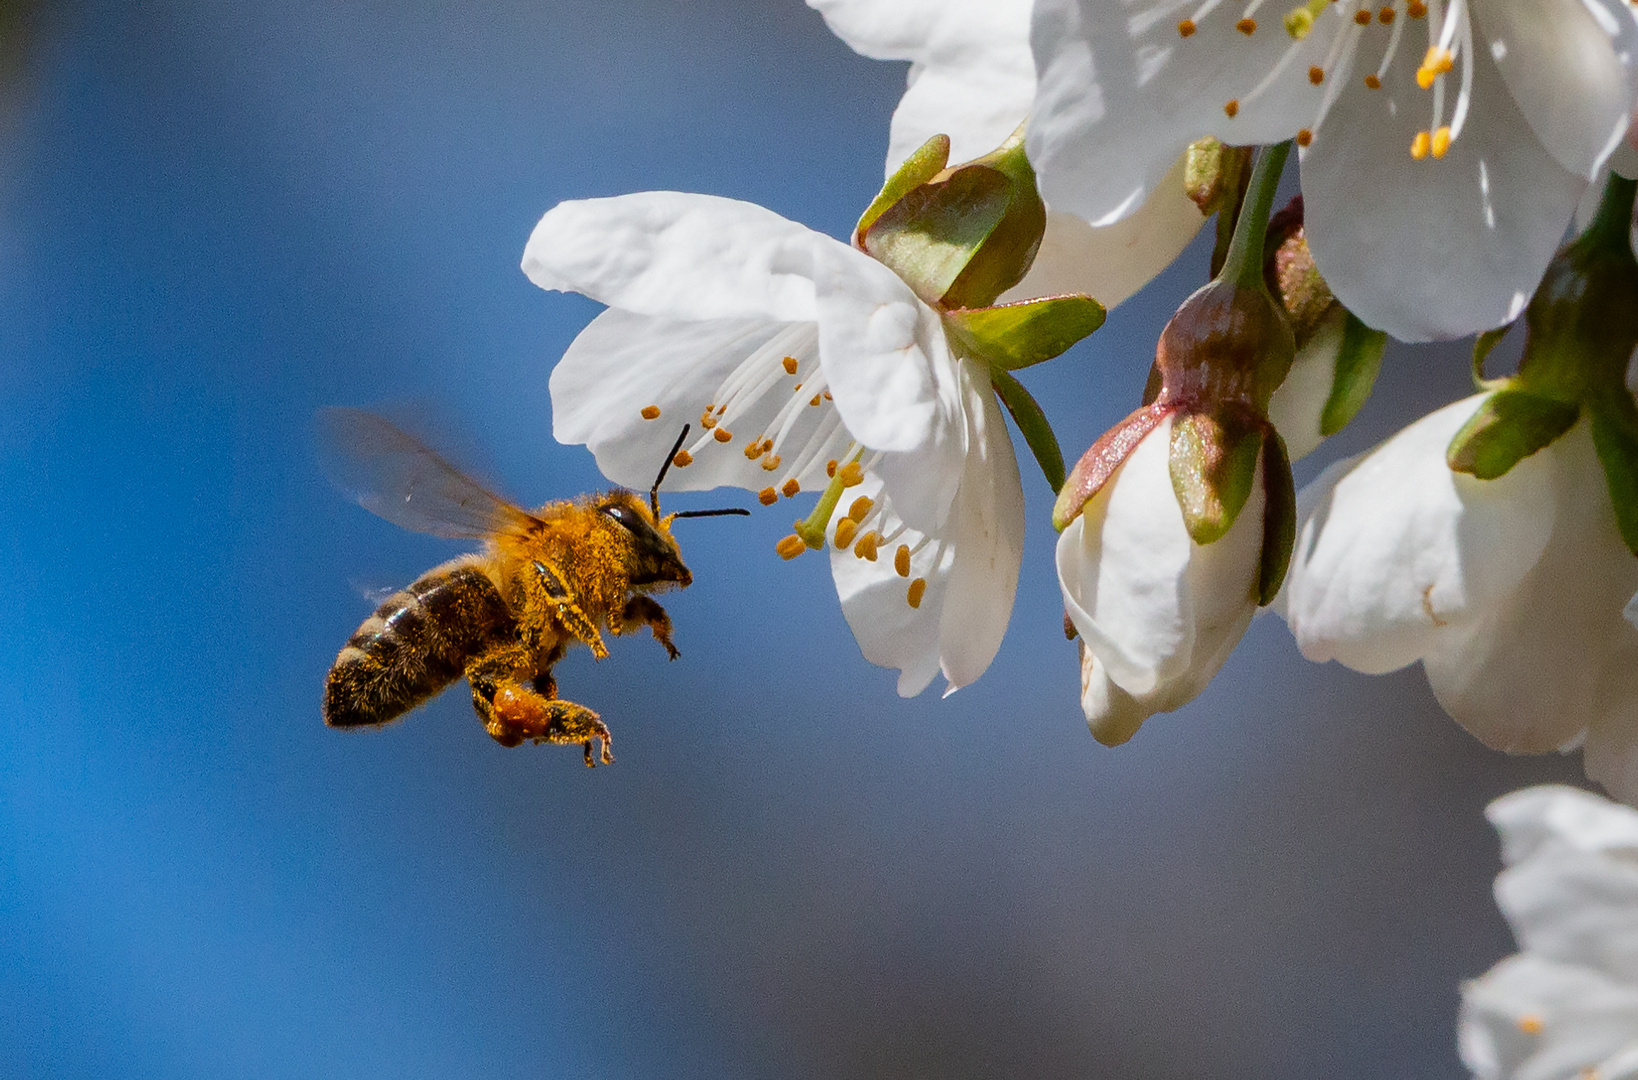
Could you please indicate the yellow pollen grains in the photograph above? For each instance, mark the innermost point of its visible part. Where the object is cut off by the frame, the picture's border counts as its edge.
(1416, 9)
(1372, 82)
(767, 496)
(683, 459)
(844, 533)
(1185, 28)
(708, 421)
(1246, 27)
(722, 434)
(851, 475)
(1436, 63)
(901, 560)
(1420, 145)
(1231, 108)
(918, 589)
(770, 462)
(790, 365)
(753, 449)
(1304, 137)
(1316, 74)
(1385, 16)
(651, 412)
(861, 506)
(790, 547)
(1441, 141)
(1531, 1024)
(790, 488)
(815, 401)
(865, 548)
(830, 467)
(1362, 17)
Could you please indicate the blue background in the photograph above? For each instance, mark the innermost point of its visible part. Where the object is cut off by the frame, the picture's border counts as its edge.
(215, 218)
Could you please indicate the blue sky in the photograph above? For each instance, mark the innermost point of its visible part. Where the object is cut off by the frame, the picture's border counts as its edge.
(217, 218)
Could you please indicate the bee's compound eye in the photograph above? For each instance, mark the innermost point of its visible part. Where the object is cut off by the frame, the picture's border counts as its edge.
(618, 513)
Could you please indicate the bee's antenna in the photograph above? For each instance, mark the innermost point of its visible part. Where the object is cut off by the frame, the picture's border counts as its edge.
(654, 492)
(736, 511)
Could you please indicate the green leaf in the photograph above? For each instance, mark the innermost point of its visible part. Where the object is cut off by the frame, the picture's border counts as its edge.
(1279, 519)
(1027, 414)
(1358, 362)
(1615, 435)
(927, 162)
(1014, 336)
(1509, 427)
(1213, 465)
(1482, 345)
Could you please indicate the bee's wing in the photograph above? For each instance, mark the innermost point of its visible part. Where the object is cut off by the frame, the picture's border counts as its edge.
(400, 478)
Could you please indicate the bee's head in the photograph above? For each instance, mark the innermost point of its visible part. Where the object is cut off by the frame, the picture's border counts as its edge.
(653, 559)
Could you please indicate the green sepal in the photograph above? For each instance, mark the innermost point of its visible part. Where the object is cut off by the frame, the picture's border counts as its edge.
(1615, 436)
(1027, 414)
(1482, 346)
(1213, 465)
(1279, 518)
(927, 162)
(1358, 362)
(1014, 336)
(967, 235)
(1509, 427)
(1101, 459)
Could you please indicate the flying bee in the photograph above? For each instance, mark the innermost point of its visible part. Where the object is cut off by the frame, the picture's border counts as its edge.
(545, 581)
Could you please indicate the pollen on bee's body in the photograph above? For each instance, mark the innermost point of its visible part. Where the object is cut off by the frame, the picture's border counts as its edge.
(790, 488)
(845, 529)
(918, 589)
(790, 547)
(901, 560)
(865, 547)
(861, 506)
(683, 459)
(767, 496)
(722, 434)
(770, 462)
(651, 412)
(790, 365)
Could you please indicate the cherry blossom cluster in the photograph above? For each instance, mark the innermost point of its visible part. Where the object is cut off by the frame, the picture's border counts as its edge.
(1048, 159)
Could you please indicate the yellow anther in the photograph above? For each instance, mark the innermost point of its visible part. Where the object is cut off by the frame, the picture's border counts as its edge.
(1362, 17)
(861, 506)
(767, 496)
(1441, 141)
(1304, 137)
(865, 548)
(827, 396)
(815, 400)
(1385, 16)
(1316, 74)
(1231, 107)
(830, 467)
(651, 412)
(790, 547)
(1299, 21)
(1186, 28)
(707, 421)
(1416, 9)
(918, 589)
(1420, 145)
(683, 459)
(1531, 1024)
(790, 488)
(901, 560)
(753, 449)
(770, 462)
(844, 532)
(722, 409)
(722, 434)
(790, 365)
(1373, 83)
(797, 389)
(1246, 27)
(851, 475)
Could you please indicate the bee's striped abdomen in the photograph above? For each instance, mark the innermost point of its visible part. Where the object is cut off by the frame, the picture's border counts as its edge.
(416, 643)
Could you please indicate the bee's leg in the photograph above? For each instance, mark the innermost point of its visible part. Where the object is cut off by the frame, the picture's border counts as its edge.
(513, 712)
(645, 610)
(560, 600)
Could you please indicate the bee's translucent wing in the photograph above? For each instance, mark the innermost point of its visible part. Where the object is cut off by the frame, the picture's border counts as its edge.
(400, 478)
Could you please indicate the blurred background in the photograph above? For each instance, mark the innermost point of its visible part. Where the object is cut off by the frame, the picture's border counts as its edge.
(216, 218)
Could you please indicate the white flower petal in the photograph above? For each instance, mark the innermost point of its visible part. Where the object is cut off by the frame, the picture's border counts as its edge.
(1575, 907)
(1156, 607)
(1394, 550)
(1562, 64)
(1112, 715)
(1298, 405)
(1530, 1018)
(1554, 656)
(677, 255)
(623, 363)
(1115, 261)
(1541, 819)
(1437, 248)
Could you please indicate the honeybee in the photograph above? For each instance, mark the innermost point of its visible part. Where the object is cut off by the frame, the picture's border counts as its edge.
(545, 581)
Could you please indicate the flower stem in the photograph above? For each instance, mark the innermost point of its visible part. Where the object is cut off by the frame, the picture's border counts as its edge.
(1612, 224)
(1243, 265)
